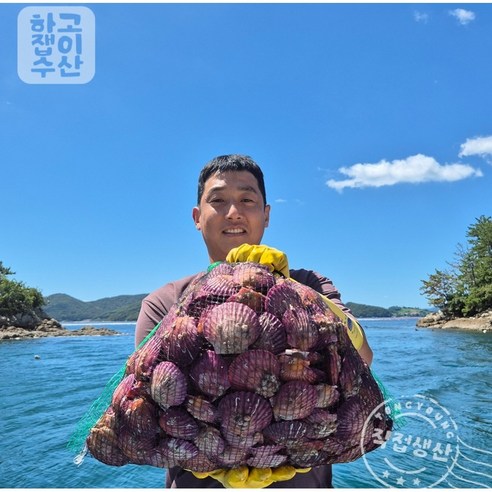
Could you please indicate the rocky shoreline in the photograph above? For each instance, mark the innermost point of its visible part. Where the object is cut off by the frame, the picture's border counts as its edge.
(39, 325)
(481, 322)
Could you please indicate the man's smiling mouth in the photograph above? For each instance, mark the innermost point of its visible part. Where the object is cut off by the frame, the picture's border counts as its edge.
(236, 230)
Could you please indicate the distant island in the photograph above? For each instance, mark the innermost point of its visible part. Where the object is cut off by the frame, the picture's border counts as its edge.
(126, 308)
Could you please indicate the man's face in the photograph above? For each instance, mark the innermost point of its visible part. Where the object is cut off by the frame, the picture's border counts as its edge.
(231, 212)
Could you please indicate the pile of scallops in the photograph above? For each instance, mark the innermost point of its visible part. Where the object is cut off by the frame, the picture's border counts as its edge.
(247, 368)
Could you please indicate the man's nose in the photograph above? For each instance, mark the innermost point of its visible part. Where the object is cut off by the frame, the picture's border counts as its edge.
(234, 211)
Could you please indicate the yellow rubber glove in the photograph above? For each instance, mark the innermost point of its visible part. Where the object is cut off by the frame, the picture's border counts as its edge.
(274, 259)
(245, 477)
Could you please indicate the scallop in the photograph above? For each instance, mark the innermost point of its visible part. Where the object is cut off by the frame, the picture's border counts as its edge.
(200, 408)
(136, 449)
(239, 441)
(181, 342)
(253, 275)
(231, 327)
(333, 365)
(257, 371)
(328, 395)
(254, 300)
(267, 456)
(321, 424)
(148, 356)
(282, 297)
(221, 285)
(203, 301)
(351, 419)
(222, 268)
(272, 335)
(311, 299)
(296, 368)
(243, 413)
(302, 333)
(327, 328)
(177, 422)
(311, 454)
(210, 441)
(122, 390)
(210, 374)
(168, 385)
(350, 379)
(232, 457)
(294, 400)
(286, 433)
(103, 445)
(139, 415)
(177, 451)
(199, 463)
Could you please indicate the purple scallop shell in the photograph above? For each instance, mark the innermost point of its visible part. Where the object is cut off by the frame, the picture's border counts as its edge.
(231, 327)
(311, 454)
(243, 413)
(139, 451)
(282, 297)
(350, 375)
(139, 416)
(272, 335)
(294, 400)
(181, 342)
(254, 300)
(302, 333)
(327, 324)
(328, 395)
(210, 441)
(177, 422)
(200, 408)
(209, 374)
(199, 463)
(311, 299)
(267, 456)
(147, 357)
(122, 390)
(223, 268)
(198, 304)
(168, 385)
(220, 285)
(257, 371)
(177, 451)
(333, 364)
(245, 442)
(232, 457)
(321, 424)
(253, 275)
(296, 368)
(351, 418)
(286, 433)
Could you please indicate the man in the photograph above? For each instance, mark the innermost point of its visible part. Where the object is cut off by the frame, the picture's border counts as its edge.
(232, 210)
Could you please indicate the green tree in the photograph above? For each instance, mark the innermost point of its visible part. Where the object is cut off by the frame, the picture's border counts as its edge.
(15, 297)
(466, 289)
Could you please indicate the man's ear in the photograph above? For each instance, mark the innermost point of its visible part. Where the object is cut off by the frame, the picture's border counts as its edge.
(195, 213)
(267, 215)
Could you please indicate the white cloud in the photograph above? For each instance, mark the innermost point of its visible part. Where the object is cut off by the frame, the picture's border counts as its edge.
(421, 17)
(464, 16)
(280, 200)
(414, 169)
(481, 146)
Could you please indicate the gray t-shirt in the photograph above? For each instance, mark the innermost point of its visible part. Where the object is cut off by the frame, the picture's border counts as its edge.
(157, 304)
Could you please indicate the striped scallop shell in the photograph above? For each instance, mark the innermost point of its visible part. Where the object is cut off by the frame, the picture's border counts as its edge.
(139, 415)
(327, 324)
(311, 299)
(254, 300)
(138, 450)
(103, 445)
(231, 327)
(267, 456)
(181, 342)
(351, 418)
(168, 385)
(223, 268)
(350, 375)
(272, 335)
(176, 451)
(210, 441)
(282, 297)
(310, 454)
(244, 442)
(199, 463)
(253, 275)
(294, 400)
(296, 368)
(257, 371)
(177, 422)
(200, 408)
(328, 395)
(210, 375)
(148, 356)
(232, 457)
(302, 333)
(286, 433)
(333, 364)
(243, 413)
(201, 302)
(220, 285)
(321, 424)
(122, 390)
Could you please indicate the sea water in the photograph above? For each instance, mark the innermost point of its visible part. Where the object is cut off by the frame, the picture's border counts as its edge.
(49, 383)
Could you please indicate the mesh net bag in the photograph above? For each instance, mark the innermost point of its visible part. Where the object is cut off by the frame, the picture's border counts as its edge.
(247, 369)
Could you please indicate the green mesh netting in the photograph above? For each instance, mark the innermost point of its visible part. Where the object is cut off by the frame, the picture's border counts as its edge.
(76, 443)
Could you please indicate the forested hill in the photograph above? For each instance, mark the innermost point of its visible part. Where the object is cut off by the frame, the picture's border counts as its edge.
(125, 308)
(119, 308)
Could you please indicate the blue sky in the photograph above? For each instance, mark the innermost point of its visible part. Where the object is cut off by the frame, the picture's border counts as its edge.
(372, 124)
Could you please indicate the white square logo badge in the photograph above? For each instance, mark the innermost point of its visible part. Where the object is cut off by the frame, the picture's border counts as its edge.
(56, 45)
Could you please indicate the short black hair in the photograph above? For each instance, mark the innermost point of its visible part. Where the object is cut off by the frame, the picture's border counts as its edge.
(231, 162)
